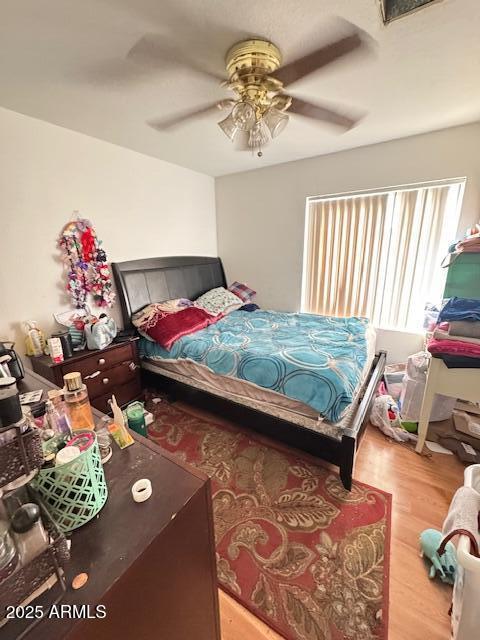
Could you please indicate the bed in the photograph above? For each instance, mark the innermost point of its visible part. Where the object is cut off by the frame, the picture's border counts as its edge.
(295, 419)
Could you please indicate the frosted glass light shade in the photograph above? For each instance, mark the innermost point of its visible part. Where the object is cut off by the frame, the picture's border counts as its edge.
(243, 115)
(259, 135)
(228, 127)
(276, 121)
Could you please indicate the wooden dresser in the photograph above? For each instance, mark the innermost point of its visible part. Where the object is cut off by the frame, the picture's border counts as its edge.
(106, 371)
(151, 564)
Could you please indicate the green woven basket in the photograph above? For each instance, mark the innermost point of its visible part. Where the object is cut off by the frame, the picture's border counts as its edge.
(76, 491)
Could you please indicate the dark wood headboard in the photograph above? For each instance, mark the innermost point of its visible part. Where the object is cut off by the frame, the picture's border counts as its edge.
(140, 282)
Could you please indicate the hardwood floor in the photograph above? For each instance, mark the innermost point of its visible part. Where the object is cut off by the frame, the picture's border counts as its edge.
(422, 488)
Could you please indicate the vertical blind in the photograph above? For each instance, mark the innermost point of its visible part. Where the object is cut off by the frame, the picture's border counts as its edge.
(378, 254)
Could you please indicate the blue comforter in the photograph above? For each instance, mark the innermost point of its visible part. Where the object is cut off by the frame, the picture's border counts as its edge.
(318, 360)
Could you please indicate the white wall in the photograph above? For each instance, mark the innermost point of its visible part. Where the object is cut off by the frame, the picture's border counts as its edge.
(141, 207)
(260, 214)
(145, 207)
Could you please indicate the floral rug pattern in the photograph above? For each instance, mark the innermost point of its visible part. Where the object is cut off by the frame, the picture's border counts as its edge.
(295, 548)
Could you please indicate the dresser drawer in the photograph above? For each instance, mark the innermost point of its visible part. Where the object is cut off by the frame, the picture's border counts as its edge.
(106, 381)
(103, 371)
(123, 394)
(100, 360)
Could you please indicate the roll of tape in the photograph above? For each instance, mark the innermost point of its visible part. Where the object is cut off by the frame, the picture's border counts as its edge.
(142, 490)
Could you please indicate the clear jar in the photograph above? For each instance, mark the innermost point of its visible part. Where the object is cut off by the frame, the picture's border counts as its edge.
(104, 439)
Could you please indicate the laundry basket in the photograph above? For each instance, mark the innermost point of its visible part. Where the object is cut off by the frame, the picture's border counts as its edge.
(74, 492)
(465, 609)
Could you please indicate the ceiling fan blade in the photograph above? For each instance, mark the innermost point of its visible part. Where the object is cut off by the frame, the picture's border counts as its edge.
(302, 67)
(153, 49)
(317, 112)
(164, 124)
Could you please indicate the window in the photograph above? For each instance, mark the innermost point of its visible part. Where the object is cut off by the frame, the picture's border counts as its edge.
(378, 253)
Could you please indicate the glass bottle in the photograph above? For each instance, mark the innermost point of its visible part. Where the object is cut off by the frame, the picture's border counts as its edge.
(103, 439)
(58, 413)
(77, 402)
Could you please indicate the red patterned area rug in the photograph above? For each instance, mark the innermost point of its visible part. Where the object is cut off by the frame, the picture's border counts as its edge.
(293, 547)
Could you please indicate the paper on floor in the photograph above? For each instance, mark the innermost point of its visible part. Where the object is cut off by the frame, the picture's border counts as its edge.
(437, 448)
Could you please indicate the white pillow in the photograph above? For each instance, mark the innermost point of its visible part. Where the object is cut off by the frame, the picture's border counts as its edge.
(219, 300)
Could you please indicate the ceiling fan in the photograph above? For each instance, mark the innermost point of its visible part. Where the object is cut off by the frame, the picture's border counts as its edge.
(259, 107)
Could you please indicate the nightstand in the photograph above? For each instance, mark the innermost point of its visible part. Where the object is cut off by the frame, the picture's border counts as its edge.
(113, 370)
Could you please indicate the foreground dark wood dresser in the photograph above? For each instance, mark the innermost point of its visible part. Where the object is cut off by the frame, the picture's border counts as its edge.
(151, 564)
(114, 369)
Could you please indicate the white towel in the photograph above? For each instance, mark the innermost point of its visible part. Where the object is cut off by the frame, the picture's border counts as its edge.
(463, 519)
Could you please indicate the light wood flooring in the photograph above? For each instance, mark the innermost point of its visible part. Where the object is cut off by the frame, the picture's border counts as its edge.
(422, 488)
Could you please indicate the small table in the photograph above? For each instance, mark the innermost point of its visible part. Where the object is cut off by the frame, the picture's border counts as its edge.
(456, 383)
(152, 565)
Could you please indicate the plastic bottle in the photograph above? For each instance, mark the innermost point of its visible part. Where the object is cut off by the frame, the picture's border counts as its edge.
(77, 402)
(34, 339)
(117, 428)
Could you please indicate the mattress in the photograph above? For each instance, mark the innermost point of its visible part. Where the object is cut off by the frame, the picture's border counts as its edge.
(317, 360)
(198, 375)
(314, 423)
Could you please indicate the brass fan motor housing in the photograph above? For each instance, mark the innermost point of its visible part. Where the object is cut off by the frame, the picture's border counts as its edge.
(258, 56)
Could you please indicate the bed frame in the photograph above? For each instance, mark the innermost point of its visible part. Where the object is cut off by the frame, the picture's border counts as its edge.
(140, 282)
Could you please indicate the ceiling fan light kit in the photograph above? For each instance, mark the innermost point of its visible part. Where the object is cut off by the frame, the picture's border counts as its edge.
(256, 108)
(244, 118)
(257, 80)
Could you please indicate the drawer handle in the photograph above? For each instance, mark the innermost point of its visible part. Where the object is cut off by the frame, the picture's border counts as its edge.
(92, 375)
(105, 380)
(101, 361)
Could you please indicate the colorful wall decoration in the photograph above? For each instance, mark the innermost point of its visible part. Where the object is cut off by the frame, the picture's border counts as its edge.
(86, 261)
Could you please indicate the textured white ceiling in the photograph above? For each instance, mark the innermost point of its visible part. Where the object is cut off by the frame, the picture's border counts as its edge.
(64, 61)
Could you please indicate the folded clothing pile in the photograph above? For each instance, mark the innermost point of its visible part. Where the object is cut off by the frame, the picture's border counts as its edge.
(456, 339)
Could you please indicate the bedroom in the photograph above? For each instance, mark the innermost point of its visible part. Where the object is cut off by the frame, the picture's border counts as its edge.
(88, 95)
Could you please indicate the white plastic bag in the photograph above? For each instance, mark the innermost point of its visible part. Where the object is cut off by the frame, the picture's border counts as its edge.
(417, 366)
(379, 417)
(101, 333)
(413, 388)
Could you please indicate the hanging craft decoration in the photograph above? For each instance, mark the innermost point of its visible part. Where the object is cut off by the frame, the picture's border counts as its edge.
(88, 271)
